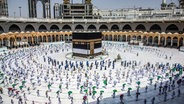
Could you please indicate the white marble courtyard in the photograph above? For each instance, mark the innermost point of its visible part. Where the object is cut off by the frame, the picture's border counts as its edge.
(42, 75)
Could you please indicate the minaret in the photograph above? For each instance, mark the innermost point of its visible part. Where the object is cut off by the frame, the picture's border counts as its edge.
(56, 10)
(3, 8)
(163, 5)
(47, 10)
(163, 1)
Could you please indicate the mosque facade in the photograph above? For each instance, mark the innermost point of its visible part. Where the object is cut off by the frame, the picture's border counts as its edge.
(164, 27)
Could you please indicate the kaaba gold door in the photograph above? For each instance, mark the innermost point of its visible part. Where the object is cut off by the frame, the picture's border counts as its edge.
(91, 48)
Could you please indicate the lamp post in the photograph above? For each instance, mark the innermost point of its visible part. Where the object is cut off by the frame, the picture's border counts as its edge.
(20, 10)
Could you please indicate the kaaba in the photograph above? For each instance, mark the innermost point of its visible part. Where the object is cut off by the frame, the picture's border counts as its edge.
(85, 44)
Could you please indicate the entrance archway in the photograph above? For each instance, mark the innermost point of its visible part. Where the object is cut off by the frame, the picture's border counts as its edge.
(175, 42)
(124, 38)
(162, 41)
(106, 37)
(139, 38)
(39, 39)
(145, 40)
(18, 39)
(128, 38)
(49, 38)
(156, 40)
(110, 38)
(12, 41)
(115, 38)
(30, 41)
(168, 42)
(150, 40)
(44, 39)
(6, 42)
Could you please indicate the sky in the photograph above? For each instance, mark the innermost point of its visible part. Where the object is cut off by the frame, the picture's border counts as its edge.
(13, 5)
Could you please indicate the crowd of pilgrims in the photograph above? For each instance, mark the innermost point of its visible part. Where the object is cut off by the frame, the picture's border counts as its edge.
(26, 74)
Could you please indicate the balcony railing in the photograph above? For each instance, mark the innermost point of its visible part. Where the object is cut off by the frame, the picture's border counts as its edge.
(10, 19)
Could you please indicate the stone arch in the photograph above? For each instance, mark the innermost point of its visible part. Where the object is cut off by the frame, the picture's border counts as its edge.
(6, 42)
(175, 42)
(57, 38)
(62, 37)
(92, 28)
(155, 40)
(14, 28)
(103, 28)
(35, 40)
(168, 41)
(66, 28)
(150, 40)
(79, 28)
(162, 41)
(30, 41)
(106, 37)
(119, 38)
(66, 38)
(139, 38)
(54, 28)
(145, 40)
(18, 39)
(124, 38)
(12, 41)
(181, 42)
(115, 38)
(24, 38)
(40, 39)
(172, 28)
(155, 28)
(140, 27)
(1, 30)
(128, 38)
(53, 38)
(42, 28)
(110, 37)
(70, 37)
(134, 37)
(49, 38)
(29, 28)
(114, 28)
(44, 39)
(127, 27)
